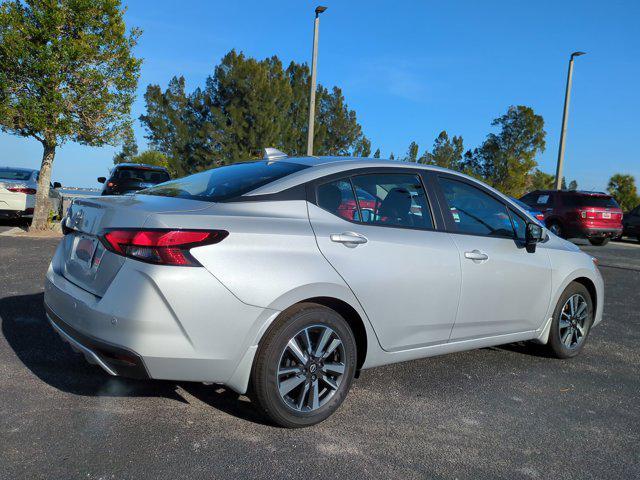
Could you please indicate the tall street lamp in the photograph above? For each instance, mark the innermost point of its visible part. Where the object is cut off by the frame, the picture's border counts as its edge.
(565, 118)
(312, 96)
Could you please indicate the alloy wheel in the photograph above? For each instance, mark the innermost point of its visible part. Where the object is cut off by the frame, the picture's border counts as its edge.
(574, 321)
(311, 368)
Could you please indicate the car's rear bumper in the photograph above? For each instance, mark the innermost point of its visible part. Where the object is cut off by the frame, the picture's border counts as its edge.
(159, 322)
(607, 232)
(113, 359)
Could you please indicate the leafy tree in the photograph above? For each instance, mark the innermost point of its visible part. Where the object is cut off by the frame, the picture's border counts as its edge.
(129, 147)
(623, 188)
(67, 73)
(506, 158)
(540, 180)
(376, 153)
(337, 131)
(446, 152)
(245, 106)
(412, 153)
(362, 148)
(392, 157)
(152, 157)
(183, 127)
(573, 185)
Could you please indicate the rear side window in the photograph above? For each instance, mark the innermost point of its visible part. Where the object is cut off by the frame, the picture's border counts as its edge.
(140, 175)
(594, 201)
(392, 199)
(382, 199)
(337, 197)
(226, 182)
(474, 211)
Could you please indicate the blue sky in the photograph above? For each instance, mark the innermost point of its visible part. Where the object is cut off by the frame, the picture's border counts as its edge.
(410, 70)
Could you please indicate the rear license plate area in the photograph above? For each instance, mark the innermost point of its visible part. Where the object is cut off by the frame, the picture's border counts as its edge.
(606, 215)
(83, 250)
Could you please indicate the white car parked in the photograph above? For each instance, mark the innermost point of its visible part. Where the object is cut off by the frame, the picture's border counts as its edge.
(18, 188)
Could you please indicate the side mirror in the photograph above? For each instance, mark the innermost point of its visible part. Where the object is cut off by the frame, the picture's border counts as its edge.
(57, 185)
(102, 179)
(533, 236)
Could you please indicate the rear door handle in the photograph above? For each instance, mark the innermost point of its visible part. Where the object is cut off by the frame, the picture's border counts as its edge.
(476, 255)
(349, 239)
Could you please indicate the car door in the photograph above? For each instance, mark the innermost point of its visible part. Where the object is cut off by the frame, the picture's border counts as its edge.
(505, 289)
(405, 273)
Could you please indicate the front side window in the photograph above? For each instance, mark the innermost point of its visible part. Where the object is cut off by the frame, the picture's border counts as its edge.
(519, 225)
(474, 211)
(223, 183)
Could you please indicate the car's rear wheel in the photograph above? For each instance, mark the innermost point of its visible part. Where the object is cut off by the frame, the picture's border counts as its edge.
(304, 366)
(555, 228)
(599, 241)
(572, 321)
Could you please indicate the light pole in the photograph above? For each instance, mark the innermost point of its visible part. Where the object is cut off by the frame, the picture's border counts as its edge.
(565, 118)
(312, 96)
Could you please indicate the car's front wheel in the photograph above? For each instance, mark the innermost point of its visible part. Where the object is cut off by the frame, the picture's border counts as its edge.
(304, 366)
(571, 322)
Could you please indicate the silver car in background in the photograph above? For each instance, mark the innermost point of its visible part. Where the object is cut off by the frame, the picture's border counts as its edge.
(288, 276)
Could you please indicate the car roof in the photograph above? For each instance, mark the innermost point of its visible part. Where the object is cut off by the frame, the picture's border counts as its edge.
(572, 192)
(322, 166)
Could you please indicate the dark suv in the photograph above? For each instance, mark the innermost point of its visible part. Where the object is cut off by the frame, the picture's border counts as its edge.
(631, 223)
(131, 177)
(578, 214)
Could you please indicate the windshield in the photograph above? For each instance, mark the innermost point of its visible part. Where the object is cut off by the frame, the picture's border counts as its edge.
(11, 174)
(226, 182)
(146, 175)
(594, 201)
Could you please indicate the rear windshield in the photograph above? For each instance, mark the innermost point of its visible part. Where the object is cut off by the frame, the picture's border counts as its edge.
(226, 182)
(145, 175)
(10, 174)
(595, 201)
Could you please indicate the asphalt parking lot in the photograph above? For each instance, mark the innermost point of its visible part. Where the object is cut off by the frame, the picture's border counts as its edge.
(507, 412)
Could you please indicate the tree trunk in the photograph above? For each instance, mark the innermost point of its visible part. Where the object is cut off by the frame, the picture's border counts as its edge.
(43, 205)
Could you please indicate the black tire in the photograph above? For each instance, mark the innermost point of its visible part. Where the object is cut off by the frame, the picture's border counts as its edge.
(555, 345)
(599, 242)
(555, 228)
(270, 354)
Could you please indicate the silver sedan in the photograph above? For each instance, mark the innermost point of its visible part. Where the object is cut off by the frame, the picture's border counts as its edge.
(288, 276)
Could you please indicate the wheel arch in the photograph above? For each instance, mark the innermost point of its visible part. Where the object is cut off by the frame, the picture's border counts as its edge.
(591, 288)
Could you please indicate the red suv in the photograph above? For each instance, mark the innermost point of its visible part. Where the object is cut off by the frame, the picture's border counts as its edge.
(577, 214)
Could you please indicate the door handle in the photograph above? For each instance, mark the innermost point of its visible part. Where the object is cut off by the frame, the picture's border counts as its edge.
(476, 256)
(349, 239)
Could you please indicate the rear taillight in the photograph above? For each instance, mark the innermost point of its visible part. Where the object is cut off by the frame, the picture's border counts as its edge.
(160, 246)
(28, 191)
(540, 217)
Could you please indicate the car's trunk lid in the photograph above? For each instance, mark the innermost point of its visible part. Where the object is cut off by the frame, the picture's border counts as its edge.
(87, 263)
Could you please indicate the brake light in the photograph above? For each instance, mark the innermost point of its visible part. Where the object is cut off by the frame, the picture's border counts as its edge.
(540, 217)
(160, 246)
(28, 191)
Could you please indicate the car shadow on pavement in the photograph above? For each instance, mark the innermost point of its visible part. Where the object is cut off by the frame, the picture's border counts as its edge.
(46, 355)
